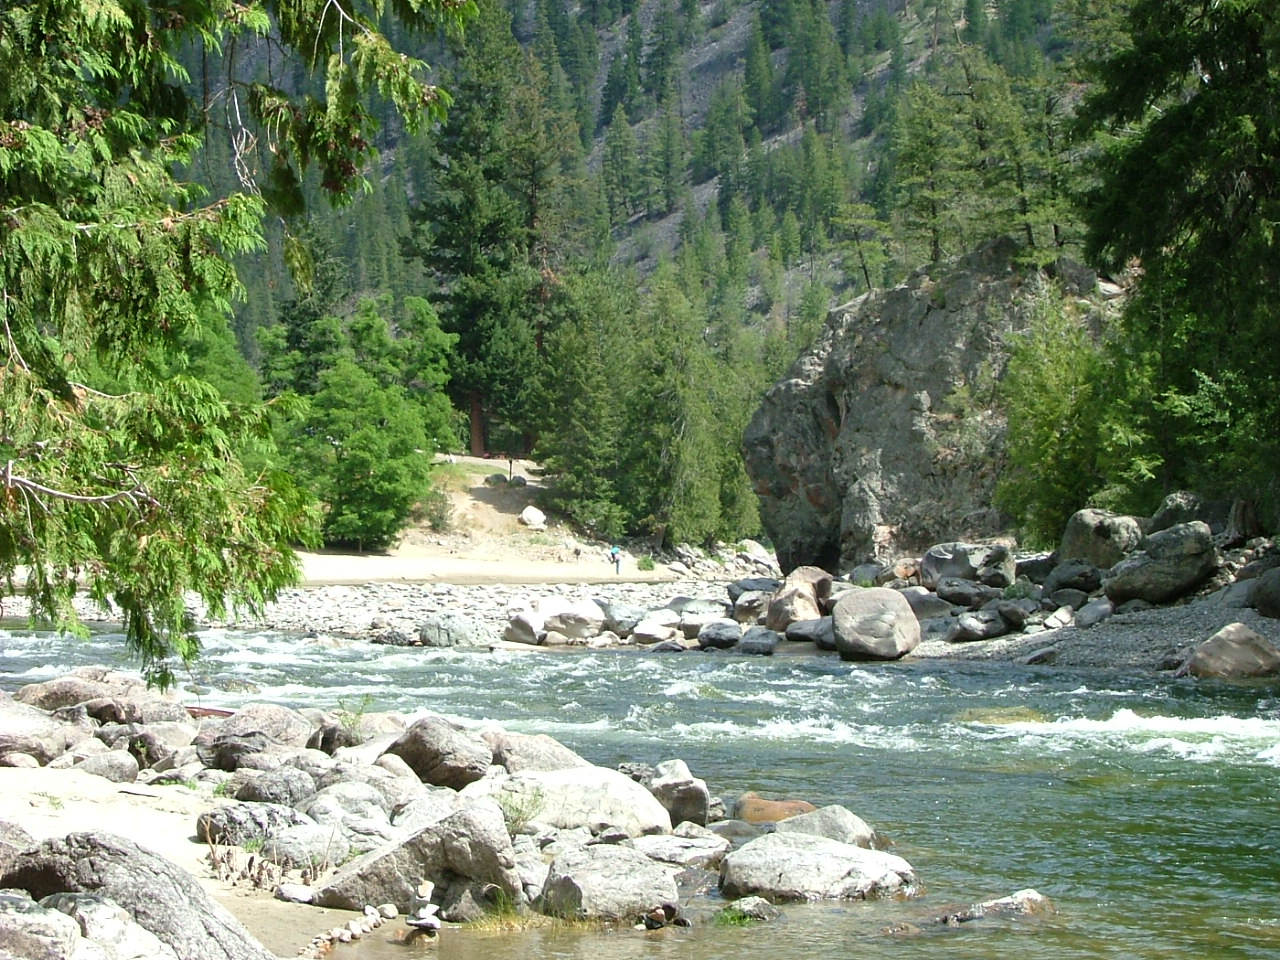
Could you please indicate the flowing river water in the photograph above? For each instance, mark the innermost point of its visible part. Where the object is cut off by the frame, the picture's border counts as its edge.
(1144, 807)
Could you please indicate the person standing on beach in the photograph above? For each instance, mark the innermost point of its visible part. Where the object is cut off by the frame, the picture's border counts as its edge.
(615, 554)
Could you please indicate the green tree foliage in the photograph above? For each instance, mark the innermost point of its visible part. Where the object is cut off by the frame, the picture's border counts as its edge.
(667, 160)
(581, 434)
(759, 81)
(620, 168)
(662, 61)
(108, 267)
(373, 414)
(1050, 392)
(490, 229)
(1188, 185)
(815, 68)
(866, 239)
(672, 476)
(930, 175)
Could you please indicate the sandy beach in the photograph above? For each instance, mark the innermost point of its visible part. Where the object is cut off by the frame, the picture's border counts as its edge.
(416, 564)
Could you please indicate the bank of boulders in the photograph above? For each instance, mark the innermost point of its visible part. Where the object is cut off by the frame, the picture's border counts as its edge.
(957, 592)
(419, 816)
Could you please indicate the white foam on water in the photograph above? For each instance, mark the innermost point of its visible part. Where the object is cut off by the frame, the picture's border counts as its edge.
(1270, 755)
(245, 657)
(820, 729)
(1128, 721)
(1212, 750)
(46, 671)
(1199, 739)
(685, 688)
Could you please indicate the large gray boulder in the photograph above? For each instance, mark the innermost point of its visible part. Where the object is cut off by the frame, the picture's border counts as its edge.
(85, 684)
(518, 752)
(162, 898)
(798, 866)
(1264, 593)
(1170, 564)
(109, 926)
(286, 785)
(118, 766)
(833, 822)
(621, 617)
(819, 632)
(453, 630)
(605, 882)
(1099, 537)
(29, 931)
(584, 797)
(989, 563)
(1183, 506)
(13, 841)
(233, 751)
(719, 634)
(1073, 575)
(685, 797)
(685, 849)
(29, 730)
(278, 723)
(443, 753)
(470, 846)
(858, 455)
(357, 811)
(1234, 652)
(799, 598)
(312, 845)
(875, 623)
(576, 619)
(239, 823)
(926, 604)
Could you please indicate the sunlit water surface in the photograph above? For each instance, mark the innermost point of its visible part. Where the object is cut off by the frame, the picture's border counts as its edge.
(1144, 807)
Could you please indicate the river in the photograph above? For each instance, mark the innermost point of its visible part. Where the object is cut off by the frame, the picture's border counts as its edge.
(1144, 807)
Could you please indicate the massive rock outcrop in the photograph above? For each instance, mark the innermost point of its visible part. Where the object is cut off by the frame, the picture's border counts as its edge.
(883, 438)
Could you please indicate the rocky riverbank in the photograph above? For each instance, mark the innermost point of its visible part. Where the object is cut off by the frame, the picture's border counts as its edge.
(117, 804)
(1147, 639)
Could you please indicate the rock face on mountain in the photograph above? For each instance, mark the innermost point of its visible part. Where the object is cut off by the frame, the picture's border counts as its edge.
(884, 437)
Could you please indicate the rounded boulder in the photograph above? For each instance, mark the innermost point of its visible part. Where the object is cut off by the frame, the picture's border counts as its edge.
(875, 623)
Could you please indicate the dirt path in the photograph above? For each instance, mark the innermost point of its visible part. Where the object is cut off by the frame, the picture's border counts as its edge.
(485, 543)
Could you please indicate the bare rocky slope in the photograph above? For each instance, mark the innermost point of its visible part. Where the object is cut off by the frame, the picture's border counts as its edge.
(886, 436)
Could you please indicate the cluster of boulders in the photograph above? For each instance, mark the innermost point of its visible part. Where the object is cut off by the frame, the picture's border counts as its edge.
(371, 811)
(957, 592)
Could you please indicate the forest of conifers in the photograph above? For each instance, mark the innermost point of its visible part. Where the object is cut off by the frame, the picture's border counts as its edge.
(595, 232)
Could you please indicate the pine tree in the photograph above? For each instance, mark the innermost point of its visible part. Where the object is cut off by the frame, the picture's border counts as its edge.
(1188, 184)
(581, 435)
(486, 232)
(976, 23)
(672, 466)
(661, 64)
(620, 167)
(668, 159)
(931, 177)
(759, 83)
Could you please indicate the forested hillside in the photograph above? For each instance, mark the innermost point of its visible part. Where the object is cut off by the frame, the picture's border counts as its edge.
(624, 219)
(635, 217)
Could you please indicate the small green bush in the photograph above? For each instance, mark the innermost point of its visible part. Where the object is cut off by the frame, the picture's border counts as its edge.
(1020, 589)
(437, 510)
(645, 563)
